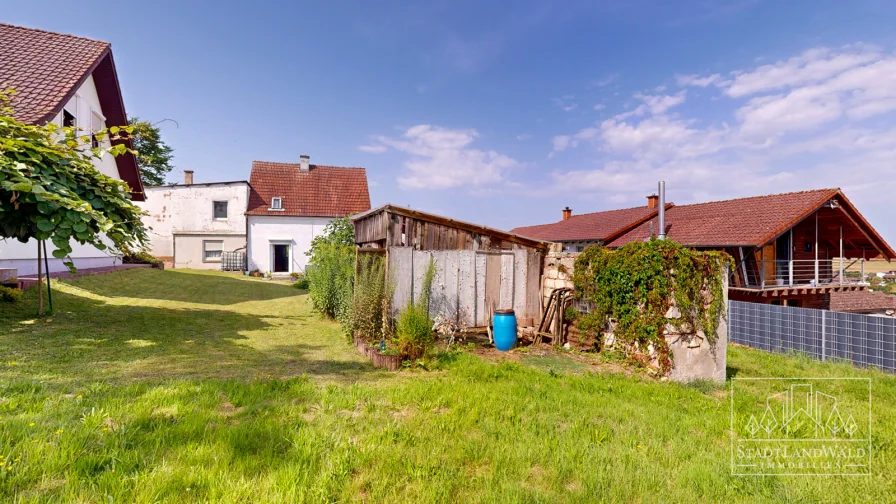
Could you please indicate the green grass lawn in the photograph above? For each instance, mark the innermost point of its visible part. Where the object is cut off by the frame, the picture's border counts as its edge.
(180, 386)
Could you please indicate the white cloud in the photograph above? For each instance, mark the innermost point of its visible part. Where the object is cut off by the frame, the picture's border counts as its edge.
(523, 137)
(566, 102)
(813, 120)
(659, 104)
(599, 107)
(605, 81)
(814, 65)
(441, 158)
(697, 81)
(372, 149)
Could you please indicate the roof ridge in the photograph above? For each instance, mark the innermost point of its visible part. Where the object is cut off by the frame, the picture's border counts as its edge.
(41, 30)
(791, 193)
(311, 165)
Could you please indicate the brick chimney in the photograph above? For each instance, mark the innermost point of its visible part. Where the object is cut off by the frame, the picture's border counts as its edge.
(304, 161)
(567, 213)
(188, 177)
(652, 201)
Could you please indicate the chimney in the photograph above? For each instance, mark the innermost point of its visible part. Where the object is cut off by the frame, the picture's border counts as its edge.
(652, 201)
(188, 177)
(567, 213)
(303, 163)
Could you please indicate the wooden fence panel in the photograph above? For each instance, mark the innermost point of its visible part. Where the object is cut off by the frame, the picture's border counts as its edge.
(469, 282)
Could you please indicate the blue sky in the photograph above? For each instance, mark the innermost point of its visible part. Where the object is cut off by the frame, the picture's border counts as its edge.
(505, 113)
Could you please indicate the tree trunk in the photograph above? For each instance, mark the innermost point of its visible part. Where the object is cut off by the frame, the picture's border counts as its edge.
(40, 293)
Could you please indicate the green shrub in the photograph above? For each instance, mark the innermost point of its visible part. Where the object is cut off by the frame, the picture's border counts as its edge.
(330, 277)
(10, 294)
(301, 282)
(414, 328)
(141, 257)
(295, 276)
(371, 300)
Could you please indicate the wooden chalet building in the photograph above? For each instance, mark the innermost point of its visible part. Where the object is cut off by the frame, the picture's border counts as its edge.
(791, 249)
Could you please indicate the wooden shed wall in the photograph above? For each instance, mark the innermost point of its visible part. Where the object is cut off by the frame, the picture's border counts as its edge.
(469, 284)
(388, 229)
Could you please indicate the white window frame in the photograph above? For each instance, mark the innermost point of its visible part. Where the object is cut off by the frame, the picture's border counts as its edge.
(226, 210)
(276, 204)
(96, 114)
(205, 257)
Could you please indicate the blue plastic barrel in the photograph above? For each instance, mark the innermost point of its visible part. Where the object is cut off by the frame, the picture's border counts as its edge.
(504, 323)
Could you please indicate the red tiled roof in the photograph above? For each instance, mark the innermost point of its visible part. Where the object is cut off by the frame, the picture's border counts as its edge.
(322, 191)
(597, 226)
(862, 301)
(44, 68)
(737, 222)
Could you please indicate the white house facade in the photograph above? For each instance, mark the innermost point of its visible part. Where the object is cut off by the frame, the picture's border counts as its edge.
(279, 244)
(291, 203)
(41, 64)
(192, 225)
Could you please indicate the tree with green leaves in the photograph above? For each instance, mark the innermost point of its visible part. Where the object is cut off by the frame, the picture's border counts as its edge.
(339, 231)
(153, 154)
(51, 190)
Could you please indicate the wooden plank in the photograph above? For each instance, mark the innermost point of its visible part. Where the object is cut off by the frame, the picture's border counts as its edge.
(533, 285)
(492, 282)
(505, 300)
(466, 285)
(401, 268)
(520, 279)
(421, 263)
(481, 313)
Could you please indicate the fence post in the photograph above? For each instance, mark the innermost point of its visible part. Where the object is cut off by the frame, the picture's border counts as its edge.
(823, 334)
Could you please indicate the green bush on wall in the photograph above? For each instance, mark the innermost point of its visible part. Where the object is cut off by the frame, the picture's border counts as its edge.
(635, 285)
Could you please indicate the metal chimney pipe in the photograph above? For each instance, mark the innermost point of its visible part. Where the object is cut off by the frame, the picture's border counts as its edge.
(661, 232)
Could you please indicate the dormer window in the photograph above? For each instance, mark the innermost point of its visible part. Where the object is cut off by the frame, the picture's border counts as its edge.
(276, 203)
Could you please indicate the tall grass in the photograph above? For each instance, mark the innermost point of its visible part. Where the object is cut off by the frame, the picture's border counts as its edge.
(330, 276)
(414, 328)
(371, 300)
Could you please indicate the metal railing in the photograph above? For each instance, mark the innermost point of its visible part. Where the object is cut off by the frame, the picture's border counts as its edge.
(864, 340)
(770, 274)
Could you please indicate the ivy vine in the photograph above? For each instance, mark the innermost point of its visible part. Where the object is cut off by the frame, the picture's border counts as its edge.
(634, 286)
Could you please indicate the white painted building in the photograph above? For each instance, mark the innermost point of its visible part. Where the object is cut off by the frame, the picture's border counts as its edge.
(291, 203)
(191, 225)
(38, 65)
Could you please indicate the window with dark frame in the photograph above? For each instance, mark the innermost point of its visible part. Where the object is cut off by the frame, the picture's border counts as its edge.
(220, 209)
(68, 119)
(212, 250)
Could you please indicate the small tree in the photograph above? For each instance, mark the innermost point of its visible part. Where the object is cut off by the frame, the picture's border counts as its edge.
(153, 154)
(339, 231)
(50, 189)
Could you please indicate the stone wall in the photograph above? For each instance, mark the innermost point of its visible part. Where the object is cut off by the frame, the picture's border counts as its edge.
(692, 355)
(557, 271)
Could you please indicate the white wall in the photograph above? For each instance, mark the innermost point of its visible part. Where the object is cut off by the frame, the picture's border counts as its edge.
(295, 231)
(188, 209)
(23, 256)
(189, 251)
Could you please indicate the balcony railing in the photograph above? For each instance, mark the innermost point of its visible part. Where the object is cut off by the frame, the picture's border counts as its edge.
(803, 273)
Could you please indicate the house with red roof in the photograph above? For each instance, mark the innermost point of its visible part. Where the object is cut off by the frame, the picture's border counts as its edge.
(790, 249)
(291, 203)
(70, 81)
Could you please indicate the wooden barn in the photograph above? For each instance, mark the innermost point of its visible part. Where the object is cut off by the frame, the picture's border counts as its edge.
(478, 269)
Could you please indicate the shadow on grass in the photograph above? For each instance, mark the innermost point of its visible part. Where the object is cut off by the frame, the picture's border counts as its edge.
(89, 340)
(184, 286)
